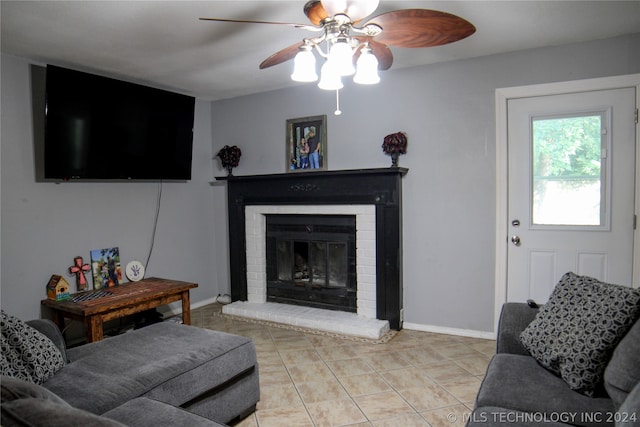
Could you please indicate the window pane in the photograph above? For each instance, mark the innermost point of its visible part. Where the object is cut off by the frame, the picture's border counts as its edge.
(567, 173)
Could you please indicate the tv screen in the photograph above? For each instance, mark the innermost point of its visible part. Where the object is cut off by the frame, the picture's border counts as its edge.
(98, 128)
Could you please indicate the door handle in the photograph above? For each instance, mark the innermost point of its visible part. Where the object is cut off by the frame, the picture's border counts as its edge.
(515, 240)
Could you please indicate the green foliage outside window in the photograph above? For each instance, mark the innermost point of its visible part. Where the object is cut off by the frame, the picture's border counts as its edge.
(567, 147)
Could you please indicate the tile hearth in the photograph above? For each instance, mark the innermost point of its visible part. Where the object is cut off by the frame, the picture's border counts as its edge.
(313, 318)
(415, 379)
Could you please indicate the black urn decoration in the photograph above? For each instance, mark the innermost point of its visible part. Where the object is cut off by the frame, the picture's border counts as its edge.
(395, 144)
(230, 157)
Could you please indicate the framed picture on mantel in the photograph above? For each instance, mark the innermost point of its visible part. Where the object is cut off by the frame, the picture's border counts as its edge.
(306, 144)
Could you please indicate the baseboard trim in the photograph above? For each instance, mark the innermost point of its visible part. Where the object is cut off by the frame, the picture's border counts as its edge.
(202, 303)
(168, 311)
(449, 331)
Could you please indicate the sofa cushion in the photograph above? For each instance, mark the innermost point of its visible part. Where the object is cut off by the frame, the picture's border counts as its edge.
(519, 383)
(15, 389)
(28, 404)
(168, 362)
(51, 331)
(623, 371)
(26, 353)
(144, 412)
(514, 318)
(576, 331)
(629, 412)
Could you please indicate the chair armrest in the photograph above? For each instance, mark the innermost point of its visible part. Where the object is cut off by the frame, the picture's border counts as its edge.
(514, 318)
(51, 331)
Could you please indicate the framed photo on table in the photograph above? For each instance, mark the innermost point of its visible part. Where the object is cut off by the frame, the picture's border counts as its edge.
(105, 267)
(306, 144)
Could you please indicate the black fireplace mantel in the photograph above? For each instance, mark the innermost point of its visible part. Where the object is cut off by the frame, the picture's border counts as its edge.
(379, 187)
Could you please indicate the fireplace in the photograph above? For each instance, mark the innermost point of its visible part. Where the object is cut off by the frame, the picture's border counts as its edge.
(374, 196)
(311, 260)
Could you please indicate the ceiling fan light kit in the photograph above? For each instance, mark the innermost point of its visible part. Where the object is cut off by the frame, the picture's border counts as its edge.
(367, 66)
(304, 69)
(330, 77)
(339, 56)
(346, 41)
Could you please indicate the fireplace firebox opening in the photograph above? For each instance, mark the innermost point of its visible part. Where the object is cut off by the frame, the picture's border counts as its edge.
(311, 260)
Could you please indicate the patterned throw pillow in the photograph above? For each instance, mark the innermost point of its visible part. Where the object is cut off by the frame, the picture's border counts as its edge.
(576, 331)
(26, 353)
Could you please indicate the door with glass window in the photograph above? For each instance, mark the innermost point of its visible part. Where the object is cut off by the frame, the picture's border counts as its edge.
(571, 190)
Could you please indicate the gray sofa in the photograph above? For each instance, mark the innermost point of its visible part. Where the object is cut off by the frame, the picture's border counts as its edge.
(166, 374)
(518, 390)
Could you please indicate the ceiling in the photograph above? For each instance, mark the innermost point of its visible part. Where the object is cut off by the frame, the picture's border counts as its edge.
(164, 44)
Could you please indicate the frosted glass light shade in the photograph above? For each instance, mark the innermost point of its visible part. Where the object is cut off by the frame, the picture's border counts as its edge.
(354, 9)
(304, 67)
(367, 73)
(341, 55)
(329, 77)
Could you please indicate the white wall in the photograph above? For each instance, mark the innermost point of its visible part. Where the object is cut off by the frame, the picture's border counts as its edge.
(45, 225)
(449, 193)
(446, 109)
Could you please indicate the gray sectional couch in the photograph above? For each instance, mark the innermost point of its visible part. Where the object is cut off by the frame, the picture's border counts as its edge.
(166, 374)
(517, 390)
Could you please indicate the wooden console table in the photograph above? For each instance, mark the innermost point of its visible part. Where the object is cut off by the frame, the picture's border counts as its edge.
(123, 300)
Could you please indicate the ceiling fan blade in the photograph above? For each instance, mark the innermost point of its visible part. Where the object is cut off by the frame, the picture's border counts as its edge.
(243, 21)
(379, 50)
(282, 55)
(315, 12)
(421, 28)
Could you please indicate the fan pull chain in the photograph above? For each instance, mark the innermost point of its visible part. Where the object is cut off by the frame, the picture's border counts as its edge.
(337, 112)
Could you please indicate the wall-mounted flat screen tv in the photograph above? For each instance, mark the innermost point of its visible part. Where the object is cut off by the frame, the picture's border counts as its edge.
(98, 128)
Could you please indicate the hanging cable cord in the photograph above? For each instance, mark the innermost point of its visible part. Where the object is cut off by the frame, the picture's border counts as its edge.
(153, 239)
(155, 225)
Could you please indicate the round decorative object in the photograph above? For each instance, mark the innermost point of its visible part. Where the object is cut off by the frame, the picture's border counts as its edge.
(135, 271)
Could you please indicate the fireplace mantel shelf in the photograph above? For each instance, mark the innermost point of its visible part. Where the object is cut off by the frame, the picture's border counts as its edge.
(311, 174)
(381, 187)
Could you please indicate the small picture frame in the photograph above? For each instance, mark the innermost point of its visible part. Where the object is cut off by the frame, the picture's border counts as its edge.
(306, 144)
(105, 267)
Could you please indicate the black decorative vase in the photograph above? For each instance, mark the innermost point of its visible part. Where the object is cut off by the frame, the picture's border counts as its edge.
(229, 170)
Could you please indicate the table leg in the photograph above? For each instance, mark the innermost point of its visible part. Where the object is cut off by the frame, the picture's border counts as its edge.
(93, 325)
(186, 308)
(58, 319)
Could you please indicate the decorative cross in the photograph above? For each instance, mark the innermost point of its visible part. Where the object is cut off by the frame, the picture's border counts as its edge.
(79, 269)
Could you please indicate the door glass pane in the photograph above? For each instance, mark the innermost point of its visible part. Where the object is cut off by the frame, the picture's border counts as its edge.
(567, 170)
(318, 261)
(337, 264)
(285, 260)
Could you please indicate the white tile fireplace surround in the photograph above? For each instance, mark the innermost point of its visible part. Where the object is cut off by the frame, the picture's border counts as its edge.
(363, 323)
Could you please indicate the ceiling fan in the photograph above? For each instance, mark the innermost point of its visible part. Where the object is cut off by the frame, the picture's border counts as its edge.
(348, 39)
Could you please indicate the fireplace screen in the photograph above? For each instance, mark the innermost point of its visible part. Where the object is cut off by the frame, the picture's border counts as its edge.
(318, 263)
(311, 260)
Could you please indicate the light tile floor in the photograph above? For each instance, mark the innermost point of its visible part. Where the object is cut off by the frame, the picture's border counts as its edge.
(415, 379)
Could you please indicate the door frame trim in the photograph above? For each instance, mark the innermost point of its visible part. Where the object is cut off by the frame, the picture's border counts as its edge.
(502, 96)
